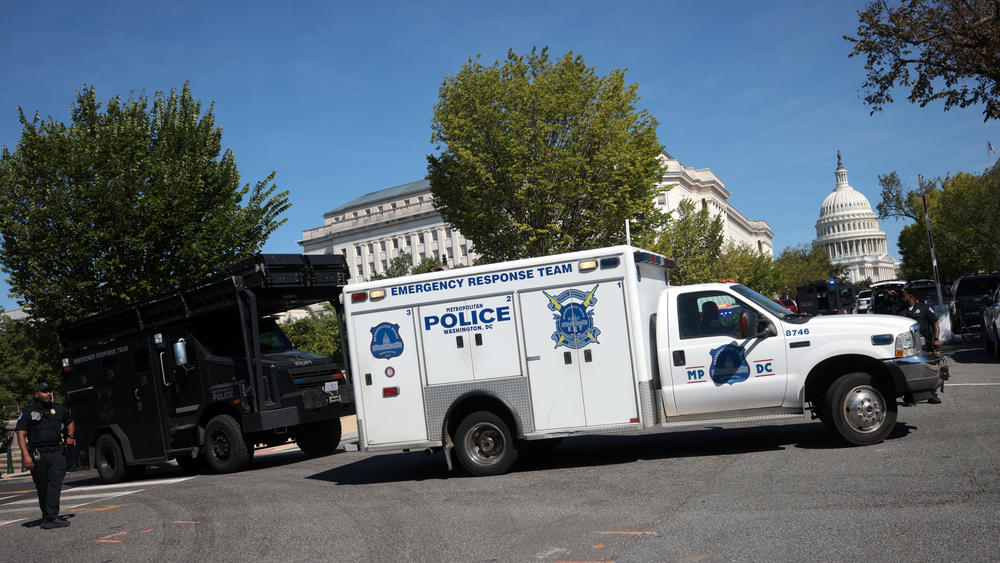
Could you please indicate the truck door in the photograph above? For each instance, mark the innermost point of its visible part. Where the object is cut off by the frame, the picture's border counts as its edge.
(389, 375)
(579, 357)
(182, 384)
(712, 369)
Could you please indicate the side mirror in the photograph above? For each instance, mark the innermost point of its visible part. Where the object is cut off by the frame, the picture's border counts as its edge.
(752, 325)
(180, 353)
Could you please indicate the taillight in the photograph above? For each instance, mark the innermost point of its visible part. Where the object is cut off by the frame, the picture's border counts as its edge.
(337, 376)
(390, 391)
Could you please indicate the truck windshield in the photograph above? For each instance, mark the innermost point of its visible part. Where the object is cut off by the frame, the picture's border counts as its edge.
(764, 302)
(226, 339)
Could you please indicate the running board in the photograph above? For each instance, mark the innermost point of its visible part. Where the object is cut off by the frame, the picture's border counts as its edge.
(724, 418)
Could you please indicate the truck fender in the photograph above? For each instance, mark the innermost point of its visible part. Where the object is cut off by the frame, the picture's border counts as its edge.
(122, 439)
(479, 397)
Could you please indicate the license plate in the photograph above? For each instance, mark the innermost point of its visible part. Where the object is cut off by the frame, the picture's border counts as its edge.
(330, 386)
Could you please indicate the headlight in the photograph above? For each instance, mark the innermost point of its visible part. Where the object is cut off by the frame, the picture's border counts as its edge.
(906, 343)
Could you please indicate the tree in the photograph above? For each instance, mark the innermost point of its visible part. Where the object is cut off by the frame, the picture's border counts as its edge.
(693, 239)
(319, 333)
(398, 267)
(797, 265)
(125, 203)
(939, 49)
(743, 264)
(963, 211)
(539, 157)
(427, 264)
(28, 355)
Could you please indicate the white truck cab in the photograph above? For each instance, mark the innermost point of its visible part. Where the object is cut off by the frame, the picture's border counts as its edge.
(478, 361)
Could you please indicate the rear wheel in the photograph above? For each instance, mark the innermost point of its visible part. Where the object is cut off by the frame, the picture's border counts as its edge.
(484, 444)
(225, 449)
(319, 438)
(109, 459)
(858, 410)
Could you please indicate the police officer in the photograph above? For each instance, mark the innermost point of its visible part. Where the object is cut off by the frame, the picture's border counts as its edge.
(929, 330)
(39, 433)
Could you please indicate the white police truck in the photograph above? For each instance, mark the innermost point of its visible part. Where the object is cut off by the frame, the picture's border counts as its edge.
(481, 361)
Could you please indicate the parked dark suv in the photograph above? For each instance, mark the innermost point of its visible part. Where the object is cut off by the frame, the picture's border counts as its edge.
(969, 295)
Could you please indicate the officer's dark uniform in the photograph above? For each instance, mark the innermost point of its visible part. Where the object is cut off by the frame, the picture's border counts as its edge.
(925, 317)
(44, 427)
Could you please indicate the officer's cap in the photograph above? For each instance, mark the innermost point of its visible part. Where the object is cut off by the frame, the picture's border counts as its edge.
(42, 387)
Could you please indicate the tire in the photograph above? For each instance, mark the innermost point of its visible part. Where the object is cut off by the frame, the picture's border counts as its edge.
(109, 459)
(484, 444)
(857, 409)
(319, 438)
(226, 450)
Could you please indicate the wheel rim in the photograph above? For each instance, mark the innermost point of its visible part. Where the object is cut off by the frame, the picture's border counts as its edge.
(864, 409)
(486, 444)
(221, 446)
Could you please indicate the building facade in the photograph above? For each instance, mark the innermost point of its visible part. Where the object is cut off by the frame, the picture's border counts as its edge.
(375, 228)
(849, 232)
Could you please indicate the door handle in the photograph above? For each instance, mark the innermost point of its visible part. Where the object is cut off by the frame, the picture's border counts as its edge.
(459, 343)
(679, 358)
(163, 370)
(567, 358)
(368, 379)
(587, 356)
(479, 339)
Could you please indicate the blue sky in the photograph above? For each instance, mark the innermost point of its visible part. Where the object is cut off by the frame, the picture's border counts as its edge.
(337, 97)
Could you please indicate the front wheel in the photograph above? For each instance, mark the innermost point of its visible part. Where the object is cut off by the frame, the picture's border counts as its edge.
(484, 444)
(858, 410)
(225, 449)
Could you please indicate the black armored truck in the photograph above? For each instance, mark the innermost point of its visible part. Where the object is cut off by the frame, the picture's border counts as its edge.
(204, 374)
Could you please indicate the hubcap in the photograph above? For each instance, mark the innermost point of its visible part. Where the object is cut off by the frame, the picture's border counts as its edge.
(485, 443)
(864, 408)
(220, 446)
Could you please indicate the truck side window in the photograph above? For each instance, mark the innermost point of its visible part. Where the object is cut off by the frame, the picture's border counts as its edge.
(708, 313)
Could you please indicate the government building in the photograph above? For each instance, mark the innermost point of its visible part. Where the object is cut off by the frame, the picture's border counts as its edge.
(848, 230)
(375, 228)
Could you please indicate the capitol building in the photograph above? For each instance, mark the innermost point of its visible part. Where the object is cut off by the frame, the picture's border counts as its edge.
(848, 230)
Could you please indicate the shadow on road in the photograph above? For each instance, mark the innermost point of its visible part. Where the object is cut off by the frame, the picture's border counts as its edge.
(589, 451)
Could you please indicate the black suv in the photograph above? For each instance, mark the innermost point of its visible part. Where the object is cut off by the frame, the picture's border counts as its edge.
(969, 295)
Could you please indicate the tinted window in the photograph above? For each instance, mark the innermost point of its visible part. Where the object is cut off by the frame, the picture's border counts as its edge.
(976, 286)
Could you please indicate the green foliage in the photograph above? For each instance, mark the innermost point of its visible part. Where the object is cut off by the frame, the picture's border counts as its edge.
(801, 264)
(939, 49)
(122, 204)
(743, 264)
(428, 264)
(540, 157)
(398, 267)
(28, 355)
(693, 239)
(319, 333)
(963, 211)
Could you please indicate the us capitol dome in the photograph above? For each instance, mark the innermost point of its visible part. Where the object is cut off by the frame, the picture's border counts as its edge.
(848, 230)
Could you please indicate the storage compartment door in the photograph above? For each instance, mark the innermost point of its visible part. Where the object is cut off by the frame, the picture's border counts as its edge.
(447, 338)
(606, 358)
(494, 341)
(553, 370)
(389, 376)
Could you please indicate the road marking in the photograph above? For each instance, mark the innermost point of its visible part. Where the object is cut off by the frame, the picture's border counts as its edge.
(63, 499)
(187, 522)
(17, 492)
(971, 384)
(107, 538)
(630, 532)
(125, 485)
(101, 509)
(9, 522)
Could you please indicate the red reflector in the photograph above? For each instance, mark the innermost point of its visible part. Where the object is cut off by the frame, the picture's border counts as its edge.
(338, 377)
(390, 391)
(357, 297)
(633, 420)
(236, 401)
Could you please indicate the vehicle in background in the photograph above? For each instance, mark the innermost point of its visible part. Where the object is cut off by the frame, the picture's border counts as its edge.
(864, 302)
(970, 295)
(825, 298)
(788, 304)
(991, 325)
(926, 291)
(887, 297)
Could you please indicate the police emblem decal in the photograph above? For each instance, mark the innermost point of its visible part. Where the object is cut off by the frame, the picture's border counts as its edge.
(574, 317)
(729, 365)
(386, 342)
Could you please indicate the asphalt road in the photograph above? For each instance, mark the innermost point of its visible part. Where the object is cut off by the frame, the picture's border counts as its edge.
(787, 492)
